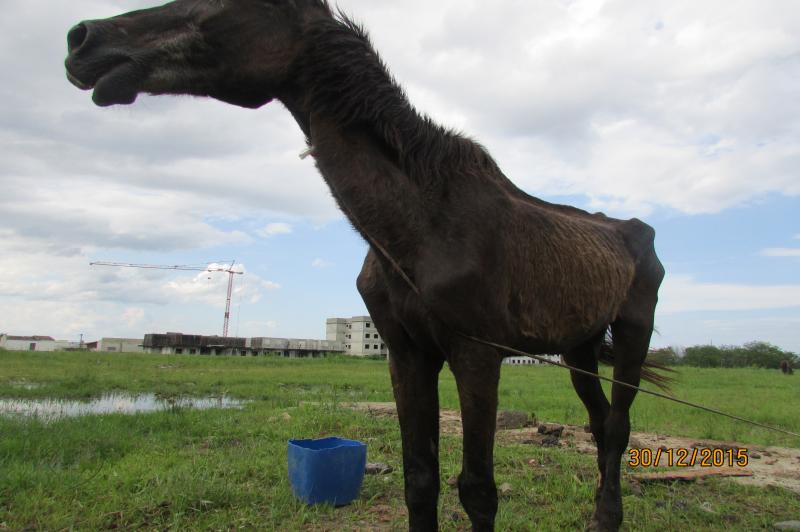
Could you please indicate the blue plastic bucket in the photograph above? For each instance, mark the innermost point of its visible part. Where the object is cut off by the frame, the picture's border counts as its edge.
(327, 471)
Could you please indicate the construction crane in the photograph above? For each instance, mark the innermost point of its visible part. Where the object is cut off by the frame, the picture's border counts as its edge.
(227, 269)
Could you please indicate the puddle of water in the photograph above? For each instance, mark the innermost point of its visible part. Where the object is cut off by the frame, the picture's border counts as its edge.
(52, 409)
(25, 385)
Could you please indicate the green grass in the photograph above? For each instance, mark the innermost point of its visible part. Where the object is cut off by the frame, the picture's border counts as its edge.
(226, 469)
(759, 394)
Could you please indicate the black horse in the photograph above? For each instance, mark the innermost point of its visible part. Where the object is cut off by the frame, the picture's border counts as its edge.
(456, 248)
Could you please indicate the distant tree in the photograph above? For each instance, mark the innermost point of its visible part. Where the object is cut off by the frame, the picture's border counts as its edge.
(753, 354)
(703, 356)
(766, 355)
(664, 355)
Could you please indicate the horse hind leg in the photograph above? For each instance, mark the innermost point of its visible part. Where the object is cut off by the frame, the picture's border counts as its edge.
(631, 342)
(631, 334)
(590, 392)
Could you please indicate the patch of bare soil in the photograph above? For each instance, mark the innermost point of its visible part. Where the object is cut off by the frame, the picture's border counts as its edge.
(380, 516)
(771, 466)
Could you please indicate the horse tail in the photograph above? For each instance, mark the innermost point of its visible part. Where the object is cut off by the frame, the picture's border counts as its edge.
(652, 372)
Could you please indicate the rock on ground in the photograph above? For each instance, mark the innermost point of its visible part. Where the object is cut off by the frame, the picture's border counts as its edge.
(378, 469)
(551, 429)
(505, 488)
(508, 419)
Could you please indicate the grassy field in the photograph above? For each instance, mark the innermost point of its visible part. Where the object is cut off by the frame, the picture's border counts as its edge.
(226, 469)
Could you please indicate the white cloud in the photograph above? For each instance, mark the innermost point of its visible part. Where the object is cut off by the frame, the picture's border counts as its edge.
(210, 287)
(321, 264)
(25, 276)
(63, 320)
(133, 316)
(80, 215)
(637, 106)
(64, 296)
(275, 229)
(634, 104)
(781, 252)
(269, 285)
(258, 328)
(682, 293)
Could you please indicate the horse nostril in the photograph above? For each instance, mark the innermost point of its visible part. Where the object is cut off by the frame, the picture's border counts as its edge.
(77, 36)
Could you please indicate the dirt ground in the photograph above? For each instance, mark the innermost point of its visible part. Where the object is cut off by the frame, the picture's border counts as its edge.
(770, 466)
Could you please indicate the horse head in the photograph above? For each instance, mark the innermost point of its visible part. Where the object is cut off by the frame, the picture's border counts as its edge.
(238, 51)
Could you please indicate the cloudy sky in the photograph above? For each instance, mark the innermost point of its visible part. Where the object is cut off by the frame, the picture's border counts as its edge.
(683, 113)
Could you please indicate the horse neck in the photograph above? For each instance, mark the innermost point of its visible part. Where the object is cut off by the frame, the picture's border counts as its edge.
(378, 198)
(388, 167)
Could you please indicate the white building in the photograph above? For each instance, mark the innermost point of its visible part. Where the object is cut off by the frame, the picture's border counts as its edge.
(34, 343)
(358, 334)
(117, 345)
(528, 361)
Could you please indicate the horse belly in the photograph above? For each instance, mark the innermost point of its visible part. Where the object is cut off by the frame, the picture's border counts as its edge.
(573, 287)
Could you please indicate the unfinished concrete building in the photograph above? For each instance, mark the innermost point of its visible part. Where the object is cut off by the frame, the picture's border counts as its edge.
(358, 334)
(191, 344)
(293, 348)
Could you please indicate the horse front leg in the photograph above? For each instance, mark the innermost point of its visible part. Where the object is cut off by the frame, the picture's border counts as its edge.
(415, 380)
(477, 373)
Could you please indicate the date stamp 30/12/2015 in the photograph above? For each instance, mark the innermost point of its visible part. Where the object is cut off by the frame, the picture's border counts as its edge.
(683, 457)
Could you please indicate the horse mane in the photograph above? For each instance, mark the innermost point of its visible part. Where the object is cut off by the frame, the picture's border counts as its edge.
(348, 81)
